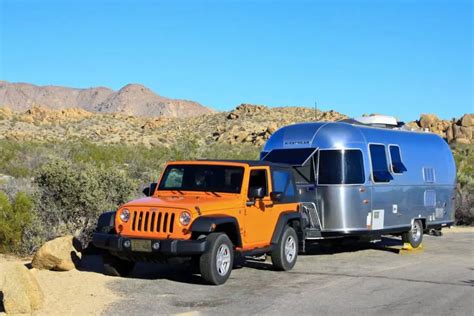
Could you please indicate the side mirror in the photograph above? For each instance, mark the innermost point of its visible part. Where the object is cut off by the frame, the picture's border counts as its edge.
(256, 193)
(276, 196)
(148, 191)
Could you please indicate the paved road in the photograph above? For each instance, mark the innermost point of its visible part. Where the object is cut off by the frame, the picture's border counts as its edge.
(357, 279)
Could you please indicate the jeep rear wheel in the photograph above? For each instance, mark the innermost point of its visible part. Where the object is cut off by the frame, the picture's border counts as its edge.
(286, 251)
(216, 263)
(115, 266)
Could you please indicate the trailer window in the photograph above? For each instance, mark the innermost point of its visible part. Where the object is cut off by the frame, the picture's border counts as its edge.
(378, 156)
(341, 167)
(397, 165)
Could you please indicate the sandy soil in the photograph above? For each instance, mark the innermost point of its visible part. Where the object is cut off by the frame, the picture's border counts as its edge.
(70, 293)
(459, 229)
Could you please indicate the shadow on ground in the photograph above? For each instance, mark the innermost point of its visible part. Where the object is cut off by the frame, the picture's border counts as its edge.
(337, 246)
(189, 273)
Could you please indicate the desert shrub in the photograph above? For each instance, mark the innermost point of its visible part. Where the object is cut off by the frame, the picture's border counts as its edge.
(15, 216)
(21, 159)
(71, 196)
(228, 151)
(464, 156)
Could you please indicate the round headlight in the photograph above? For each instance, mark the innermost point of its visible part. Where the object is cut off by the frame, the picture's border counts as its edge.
(125, 215)
(185, 218)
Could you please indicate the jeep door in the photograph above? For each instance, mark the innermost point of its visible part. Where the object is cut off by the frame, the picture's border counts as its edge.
(260, 217)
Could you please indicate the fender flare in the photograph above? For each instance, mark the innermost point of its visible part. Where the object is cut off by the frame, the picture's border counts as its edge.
(209, 224)
(283, 220)
(106, 222)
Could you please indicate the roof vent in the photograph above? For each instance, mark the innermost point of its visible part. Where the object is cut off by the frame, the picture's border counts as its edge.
(378, 120)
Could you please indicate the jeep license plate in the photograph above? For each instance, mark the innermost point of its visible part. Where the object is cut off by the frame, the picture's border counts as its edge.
(141, 245)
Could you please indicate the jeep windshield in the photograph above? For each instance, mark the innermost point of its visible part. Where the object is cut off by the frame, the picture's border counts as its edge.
(212, 178)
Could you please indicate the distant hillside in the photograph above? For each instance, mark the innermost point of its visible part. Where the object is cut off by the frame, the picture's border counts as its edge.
(133, 99)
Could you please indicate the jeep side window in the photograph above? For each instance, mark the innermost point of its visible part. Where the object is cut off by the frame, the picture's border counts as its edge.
(258, 178)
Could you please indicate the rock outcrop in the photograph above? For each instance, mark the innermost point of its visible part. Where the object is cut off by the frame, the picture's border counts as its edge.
(455, 131)
(60, 254)
(21, 292)
(246, 124)
(253, 124)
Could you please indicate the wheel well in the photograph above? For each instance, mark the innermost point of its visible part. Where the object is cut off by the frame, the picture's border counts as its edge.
(423, 222)
(296, 224)
(230, 230)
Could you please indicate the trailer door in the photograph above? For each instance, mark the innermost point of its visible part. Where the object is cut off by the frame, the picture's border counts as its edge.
(341, 195)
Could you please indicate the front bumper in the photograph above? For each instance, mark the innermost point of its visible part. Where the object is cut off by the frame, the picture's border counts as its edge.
(167, 247)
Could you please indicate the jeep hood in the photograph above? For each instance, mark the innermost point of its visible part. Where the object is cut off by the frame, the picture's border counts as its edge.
(205, 202)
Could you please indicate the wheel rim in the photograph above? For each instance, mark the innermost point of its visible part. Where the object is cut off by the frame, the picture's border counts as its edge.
(290, 249)
(415, 231)
(223, 260)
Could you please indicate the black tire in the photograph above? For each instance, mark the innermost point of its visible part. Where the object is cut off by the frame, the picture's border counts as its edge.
(115, 266)
(213, 269)
(286, 251)
(415, 235)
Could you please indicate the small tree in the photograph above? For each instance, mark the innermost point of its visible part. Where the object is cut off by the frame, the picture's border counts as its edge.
(14, 218)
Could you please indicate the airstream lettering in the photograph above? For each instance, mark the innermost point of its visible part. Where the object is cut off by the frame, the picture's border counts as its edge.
(367, 176)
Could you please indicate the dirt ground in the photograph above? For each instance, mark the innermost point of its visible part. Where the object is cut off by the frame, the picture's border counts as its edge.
(89, 292)
(70, 293)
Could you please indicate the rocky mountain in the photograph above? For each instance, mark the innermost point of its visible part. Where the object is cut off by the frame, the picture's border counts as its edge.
(133, 99)
(246, 124)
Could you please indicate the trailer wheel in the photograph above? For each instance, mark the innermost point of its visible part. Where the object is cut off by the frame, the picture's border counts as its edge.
(286, 251)
(115, 266)
(216, 263)
(415, 235)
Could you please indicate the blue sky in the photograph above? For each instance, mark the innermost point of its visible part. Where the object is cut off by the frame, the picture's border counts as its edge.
(392, 57)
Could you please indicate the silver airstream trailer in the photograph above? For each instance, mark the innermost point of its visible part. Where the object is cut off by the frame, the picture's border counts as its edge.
(368, 176)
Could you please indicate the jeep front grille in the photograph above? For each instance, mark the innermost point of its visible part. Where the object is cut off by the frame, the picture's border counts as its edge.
(153, 221)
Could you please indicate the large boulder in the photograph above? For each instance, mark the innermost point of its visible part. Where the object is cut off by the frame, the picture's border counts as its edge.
(467, 120)
(428, 120)
(60, 254)
(21, 292)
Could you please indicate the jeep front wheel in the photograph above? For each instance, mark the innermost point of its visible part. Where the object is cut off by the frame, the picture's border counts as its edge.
(216, 263)
(286, 251)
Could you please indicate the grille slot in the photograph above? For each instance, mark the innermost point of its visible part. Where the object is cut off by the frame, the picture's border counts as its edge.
(153, 221)
(165, 223)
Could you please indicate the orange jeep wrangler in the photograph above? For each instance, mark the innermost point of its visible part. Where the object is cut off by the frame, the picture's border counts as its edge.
(207, 211)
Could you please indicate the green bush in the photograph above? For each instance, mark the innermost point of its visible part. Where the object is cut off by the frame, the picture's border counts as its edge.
(71, 196)
(14, 218)
(464, 156)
